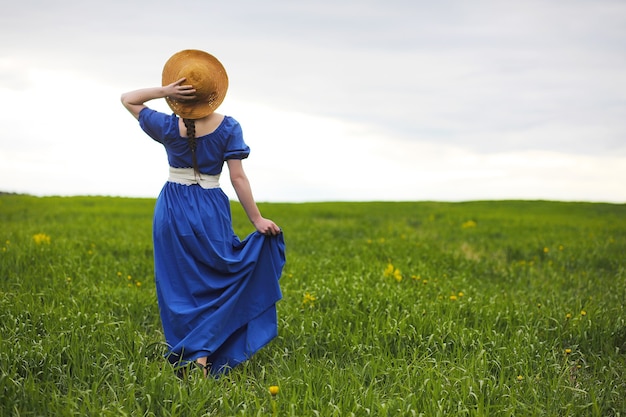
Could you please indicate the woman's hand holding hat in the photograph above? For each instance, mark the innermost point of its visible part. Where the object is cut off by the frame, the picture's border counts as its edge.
(179, 92)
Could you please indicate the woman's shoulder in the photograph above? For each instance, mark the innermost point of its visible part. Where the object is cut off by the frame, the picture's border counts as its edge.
(231, 124)
(222, 126)
(154, 121)
(156, 116)
(230, 121)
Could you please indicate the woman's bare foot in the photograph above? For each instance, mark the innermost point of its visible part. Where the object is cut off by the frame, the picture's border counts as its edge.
(203, 364)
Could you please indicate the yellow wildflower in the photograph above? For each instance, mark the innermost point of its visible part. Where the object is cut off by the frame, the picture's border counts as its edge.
(138, 284)
(568, 316)
(520, 377)
(274, 390)
(568, 351)
(391, 271)
(397, 275)
(308, 300)
(583, 313)
(546, 250)
(453, 298)
(41, 238)
(468, 224)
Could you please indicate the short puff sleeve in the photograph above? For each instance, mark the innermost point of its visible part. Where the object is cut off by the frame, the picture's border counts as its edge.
(236, 148)
(159, 126)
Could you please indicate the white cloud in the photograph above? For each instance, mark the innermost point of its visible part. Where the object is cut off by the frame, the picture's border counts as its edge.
(300, 157)
(406, 100)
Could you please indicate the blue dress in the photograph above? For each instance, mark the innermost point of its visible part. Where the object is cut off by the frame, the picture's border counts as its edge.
(217, 294)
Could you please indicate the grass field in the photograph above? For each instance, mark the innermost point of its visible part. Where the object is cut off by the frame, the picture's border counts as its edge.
(390, 309)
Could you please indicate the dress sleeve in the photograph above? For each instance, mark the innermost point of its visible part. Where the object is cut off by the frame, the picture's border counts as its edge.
(156, 125)
(236, 148)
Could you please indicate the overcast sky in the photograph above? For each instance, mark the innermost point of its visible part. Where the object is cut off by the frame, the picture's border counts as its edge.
(339, 100)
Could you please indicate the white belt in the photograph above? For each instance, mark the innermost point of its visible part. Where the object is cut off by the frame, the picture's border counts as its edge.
(187, 176)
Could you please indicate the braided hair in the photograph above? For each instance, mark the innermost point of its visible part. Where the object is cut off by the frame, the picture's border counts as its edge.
(190, 124)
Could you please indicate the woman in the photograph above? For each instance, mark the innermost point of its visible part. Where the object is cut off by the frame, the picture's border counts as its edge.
(217, 294)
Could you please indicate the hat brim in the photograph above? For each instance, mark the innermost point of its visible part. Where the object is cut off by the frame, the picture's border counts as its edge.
(213, 73)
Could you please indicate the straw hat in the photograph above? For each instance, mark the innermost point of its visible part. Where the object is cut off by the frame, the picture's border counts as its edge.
(205, 73)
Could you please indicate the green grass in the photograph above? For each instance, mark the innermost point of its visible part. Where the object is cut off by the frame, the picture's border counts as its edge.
(505, 308)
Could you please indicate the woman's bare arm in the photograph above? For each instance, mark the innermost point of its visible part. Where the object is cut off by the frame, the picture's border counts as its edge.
(241, 184)
(134, 100)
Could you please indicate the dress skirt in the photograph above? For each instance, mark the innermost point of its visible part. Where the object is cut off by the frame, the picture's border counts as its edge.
(217, 294)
